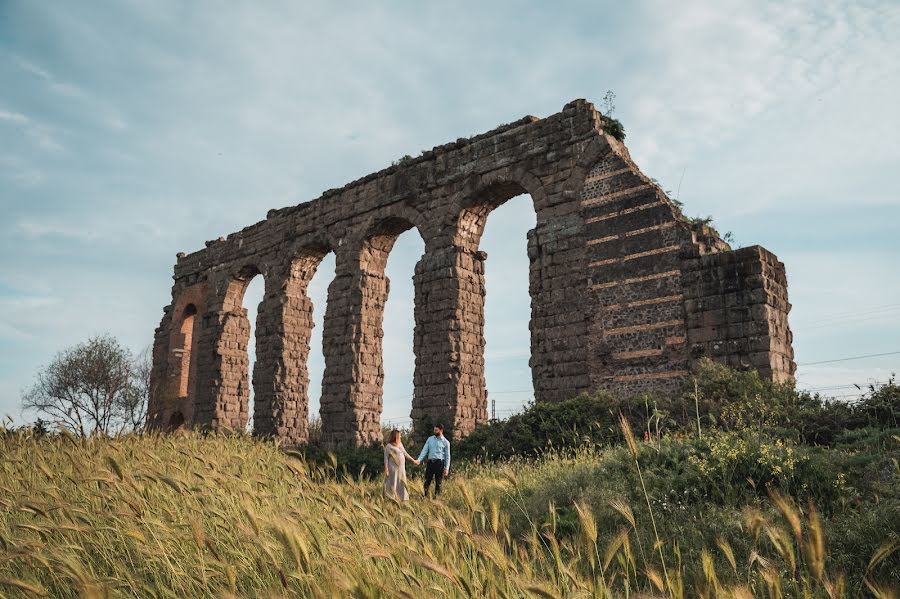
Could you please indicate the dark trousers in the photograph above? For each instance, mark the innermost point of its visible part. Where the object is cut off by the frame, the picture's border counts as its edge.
(434, 469)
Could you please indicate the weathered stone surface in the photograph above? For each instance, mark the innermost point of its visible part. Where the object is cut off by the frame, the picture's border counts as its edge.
(626, 294)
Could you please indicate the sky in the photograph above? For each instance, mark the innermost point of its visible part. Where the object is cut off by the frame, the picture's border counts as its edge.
(134, 129)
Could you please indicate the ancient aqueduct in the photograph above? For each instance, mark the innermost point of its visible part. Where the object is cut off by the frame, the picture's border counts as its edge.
(626, 293)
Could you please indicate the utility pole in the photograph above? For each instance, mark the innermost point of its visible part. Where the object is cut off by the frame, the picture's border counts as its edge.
(493, 410)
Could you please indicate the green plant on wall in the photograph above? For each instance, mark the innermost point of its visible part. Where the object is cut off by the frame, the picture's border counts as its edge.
(611, 125)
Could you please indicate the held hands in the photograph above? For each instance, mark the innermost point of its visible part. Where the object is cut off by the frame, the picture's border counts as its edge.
(417, 462)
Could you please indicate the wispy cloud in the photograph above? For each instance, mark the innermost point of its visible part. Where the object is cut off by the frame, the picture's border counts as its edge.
(27, 302)
(738, 74)
(100, 110)
(39, 134)
(38, 229)
(14, 117)
(19, 172)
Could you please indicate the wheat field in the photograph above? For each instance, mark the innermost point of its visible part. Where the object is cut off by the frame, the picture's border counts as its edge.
(194, 516)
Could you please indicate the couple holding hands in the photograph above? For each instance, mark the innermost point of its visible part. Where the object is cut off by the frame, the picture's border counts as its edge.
(436, 452)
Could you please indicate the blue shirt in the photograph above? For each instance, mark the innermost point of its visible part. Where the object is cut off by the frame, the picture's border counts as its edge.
(437, 449)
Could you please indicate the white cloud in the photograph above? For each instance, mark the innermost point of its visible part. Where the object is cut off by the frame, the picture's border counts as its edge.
(98, 109)
(19, 172)
(27, 303)
(14, 117)
(40, 135)
(34, 229)
(726, 69)
(30, 67)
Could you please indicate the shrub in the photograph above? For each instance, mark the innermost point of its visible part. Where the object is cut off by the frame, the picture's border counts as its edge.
(586, 420)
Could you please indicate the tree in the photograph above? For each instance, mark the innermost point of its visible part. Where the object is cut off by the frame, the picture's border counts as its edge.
(134, 404)
(91, 388)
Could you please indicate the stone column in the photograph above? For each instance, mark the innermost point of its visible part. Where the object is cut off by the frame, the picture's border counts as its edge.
(162, 392)
(736, 307)
(449, 341)
(223, 384)
(354, 374)
(557, 285)
(280, 377)
(223, 388)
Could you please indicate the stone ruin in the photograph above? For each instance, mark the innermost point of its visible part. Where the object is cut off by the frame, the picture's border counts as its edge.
(626, 293)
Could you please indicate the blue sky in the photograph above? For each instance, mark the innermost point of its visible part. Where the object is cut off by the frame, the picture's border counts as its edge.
(131, 130)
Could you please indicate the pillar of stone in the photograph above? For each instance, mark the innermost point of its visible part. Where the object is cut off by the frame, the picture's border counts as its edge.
(223, 388)
(223, 382)
(280, 376)
(162, 385)
(558, 325)
(736, 307)
(449, 341)
(354, 375)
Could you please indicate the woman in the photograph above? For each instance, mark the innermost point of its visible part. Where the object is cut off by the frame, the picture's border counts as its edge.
(395, 457)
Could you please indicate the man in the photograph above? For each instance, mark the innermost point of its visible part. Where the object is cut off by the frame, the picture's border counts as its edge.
(437, 451)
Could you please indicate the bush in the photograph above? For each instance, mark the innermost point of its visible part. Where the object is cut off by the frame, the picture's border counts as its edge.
(614, 127)
(583, 421)
(716, 398)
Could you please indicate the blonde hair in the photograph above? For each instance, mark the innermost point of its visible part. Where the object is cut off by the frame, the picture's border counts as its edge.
(394, 434)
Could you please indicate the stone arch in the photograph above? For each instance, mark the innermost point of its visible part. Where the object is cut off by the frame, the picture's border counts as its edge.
(181, 391)
(380, 237)
(233, 344)
(237, 285)
(284, 328)
(353, 383)
(471, 211)
(480, 195)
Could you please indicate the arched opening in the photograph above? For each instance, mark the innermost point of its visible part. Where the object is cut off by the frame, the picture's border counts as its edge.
(312, 273)
(180, 392)
(243, 300)
(176, 421)
(188, 367)
(353, 381)
(252, 301)
(389, 256)
(398, 325)
(265, 346)
(507, 306)
(497, 225)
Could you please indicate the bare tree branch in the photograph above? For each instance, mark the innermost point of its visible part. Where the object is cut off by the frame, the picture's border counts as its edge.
(96, 387)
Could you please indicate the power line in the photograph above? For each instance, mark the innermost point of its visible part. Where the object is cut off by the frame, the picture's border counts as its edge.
(850, 386)
(890, 353)
(846, 321)
(862, 311)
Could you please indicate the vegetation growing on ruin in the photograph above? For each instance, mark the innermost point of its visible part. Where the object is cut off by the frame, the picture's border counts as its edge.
(611, 125)
(770, 493)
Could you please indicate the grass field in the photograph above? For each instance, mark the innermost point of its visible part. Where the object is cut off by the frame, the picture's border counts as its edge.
(191, 515)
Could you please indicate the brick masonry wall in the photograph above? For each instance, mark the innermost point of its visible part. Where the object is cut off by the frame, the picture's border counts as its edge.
(737, 308)
(611, 304)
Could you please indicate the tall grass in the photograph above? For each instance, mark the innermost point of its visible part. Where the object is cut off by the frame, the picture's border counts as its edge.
(190, 515)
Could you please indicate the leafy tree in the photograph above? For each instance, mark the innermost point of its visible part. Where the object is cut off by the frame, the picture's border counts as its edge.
(92, 388)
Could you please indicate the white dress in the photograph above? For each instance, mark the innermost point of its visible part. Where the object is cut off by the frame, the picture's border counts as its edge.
(395, 482)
